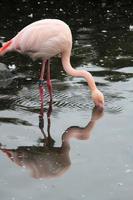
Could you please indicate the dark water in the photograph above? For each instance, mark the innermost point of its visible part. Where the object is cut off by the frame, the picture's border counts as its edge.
(86, 154)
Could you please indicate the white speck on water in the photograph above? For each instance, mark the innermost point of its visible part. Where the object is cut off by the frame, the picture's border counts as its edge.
(60, 9)
(28, 79)
(76, 42)
(30, 15)
(18, 9)
(101, 60)
(104, 31)
(114, 37)
(118, 57)
(119, 48)
(120, 184)
(131, 27)
(12, 67)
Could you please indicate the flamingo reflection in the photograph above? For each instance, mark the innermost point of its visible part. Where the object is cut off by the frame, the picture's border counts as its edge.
(45, 160)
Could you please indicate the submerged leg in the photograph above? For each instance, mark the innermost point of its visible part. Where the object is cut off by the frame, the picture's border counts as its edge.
(49, 83)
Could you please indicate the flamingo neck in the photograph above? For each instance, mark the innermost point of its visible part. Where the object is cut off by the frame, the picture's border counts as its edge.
(78, 73)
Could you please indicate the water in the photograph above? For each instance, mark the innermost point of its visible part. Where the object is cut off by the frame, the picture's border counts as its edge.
(85, 154)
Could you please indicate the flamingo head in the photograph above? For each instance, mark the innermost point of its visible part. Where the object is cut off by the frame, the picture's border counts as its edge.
(98, 99)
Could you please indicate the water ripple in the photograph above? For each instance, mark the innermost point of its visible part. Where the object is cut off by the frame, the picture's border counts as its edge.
(76, 97)
(69, 94)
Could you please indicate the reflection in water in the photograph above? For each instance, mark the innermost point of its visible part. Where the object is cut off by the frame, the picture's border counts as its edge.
(45, 160)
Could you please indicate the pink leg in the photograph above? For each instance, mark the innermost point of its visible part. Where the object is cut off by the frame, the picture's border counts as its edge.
(45, 62)
(49, 84)
(41, 89)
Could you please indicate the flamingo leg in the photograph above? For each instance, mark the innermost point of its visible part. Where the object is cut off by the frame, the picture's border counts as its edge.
(41, 89)
(49, 83)
(43, 70)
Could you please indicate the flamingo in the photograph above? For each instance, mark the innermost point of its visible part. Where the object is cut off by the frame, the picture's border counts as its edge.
(47, 38)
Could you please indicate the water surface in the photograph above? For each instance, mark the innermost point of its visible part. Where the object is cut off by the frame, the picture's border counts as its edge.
(85, 154)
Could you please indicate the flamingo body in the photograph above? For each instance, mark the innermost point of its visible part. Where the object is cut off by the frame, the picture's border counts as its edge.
(43, 39)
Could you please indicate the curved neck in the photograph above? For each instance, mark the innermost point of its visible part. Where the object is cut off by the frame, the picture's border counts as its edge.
(77, 73)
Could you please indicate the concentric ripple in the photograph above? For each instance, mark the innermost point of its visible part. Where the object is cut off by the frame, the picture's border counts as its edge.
(75, 96)
(68, 94)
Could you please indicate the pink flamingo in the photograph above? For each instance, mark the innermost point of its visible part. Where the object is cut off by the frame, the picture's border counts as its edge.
(44, 39)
